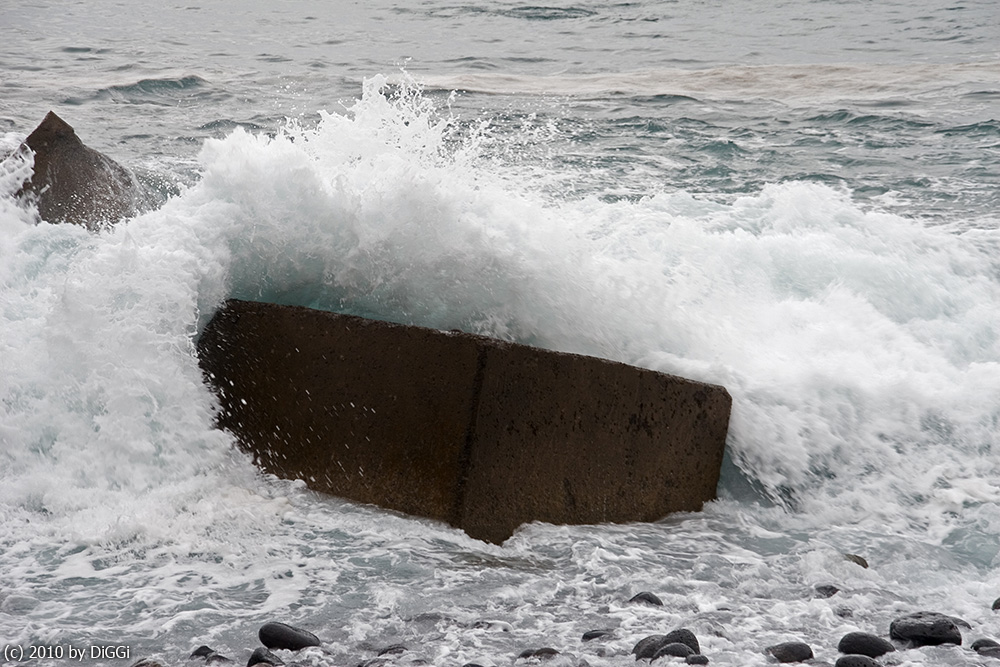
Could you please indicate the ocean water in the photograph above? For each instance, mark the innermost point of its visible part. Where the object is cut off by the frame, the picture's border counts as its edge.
(797, 200)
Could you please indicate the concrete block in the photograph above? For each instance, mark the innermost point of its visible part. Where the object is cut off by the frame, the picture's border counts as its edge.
(482, 434)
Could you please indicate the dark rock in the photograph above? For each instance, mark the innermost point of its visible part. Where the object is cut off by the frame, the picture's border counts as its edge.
(854, 558)
(451, 426)
(209, 654)
(674, 649)
(983, 643)
(856, 660)
(684, 636)
(646, 597)
(147, 662)
(648, 646)
(472, 664)
(989, 652)
(696, 659)
(282, 635)
(826, 590)
(395, 649)
(926, 628)
(76, 184)
(263, 656)
(596, 634)
(543, 653)
(790, 652)
(996, 604)
(862, 643)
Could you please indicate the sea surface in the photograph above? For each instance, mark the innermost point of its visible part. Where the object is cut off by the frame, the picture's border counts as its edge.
(796, 199)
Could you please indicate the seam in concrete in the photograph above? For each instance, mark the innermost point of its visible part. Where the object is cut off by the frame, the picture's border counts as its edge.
(465, 455)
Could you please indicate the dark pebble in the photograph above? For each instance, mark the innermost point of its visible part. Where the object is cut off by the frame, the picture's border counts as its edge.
(926, 628)
(263, 656)
(854, 558)
(544, 652)
(472, 664)
(393, 650)
(147, 662)
(647, 646)
(646, 597)
(209, 654)
(674, 649)
(790, 652)
(281, 635)
(696, 659)
(855, 660)
(826, 590)
(996, 604)
(684, 636)
(983, 643)
(989, 651)
(596, 634)
(862, 643)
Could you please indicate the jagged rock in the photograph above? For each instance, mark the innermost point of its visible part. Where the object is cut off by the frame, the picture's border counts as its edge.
(75, 183)
(645, 597)
(790, 652)
(480, 433)
(926, 628)
(855, 660)
(863, 643)
(282, 635)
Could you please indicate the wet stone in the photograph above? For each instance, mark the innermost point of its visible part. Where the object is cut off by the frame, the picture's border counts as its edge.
(591, 635)
(856, 559)
(263, 656)
(790, 652)
(645, 597)
(926, 628)
(209, 655)
(697, 659)
(395, 649)
(282, 635)
(826, 590)
(543, 653)
(683, 636)
(996, 604)
(862, 643)
(673, 649)
(648, 646)
(984, 643)
(856, 660)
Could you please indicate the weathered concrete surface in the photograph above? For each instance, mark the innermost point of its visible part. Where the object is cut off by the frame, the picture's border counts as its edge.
(75, 183)
(482, 434)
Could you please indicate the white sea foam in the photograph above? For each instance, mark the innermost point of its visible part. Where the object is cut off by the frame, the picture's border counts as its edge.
(859, 347)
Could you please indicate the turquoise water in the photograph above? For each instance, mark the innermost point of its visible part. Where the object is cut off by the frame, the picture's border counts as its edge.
(795, 200)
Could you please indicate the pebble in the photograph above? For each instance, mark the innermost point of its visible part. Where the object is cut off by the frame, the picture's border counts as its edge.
(862, 643)
(645, 597)
(282, 635)
(790, 652)
(674, 649)
(826, 590)
(596, 634)
(263, 656)
(926, 628)
(697, 659)
(855, 660)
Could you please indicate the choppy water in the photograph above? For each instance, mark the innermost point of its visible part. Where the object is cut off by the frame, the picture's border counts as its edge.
(796, 200)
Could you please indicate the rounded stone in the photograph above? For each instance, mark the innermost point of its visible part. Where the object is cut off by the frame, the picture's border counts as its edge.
(790, 652)
(647, 646)
(996, 604)
(855, 660)
(673, 649)
(596, 634)
(926, 628)
(857, 560)
(983, 643)
(696, 659)
(263, 656)
(862, 643)
(645, 597)
(826, 590)
(684, 636)
(282, 635)
(395, 649)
